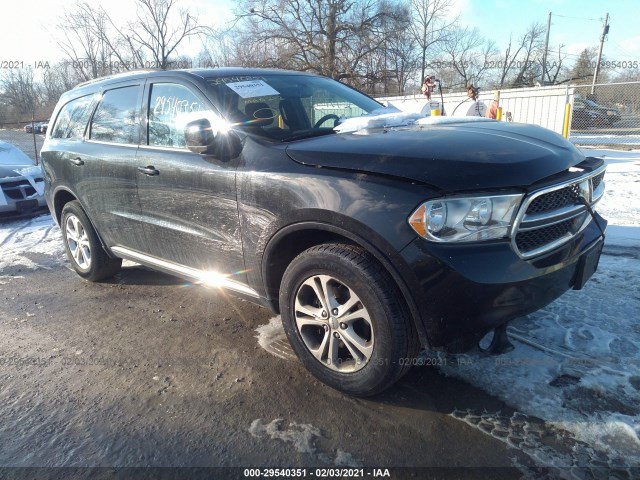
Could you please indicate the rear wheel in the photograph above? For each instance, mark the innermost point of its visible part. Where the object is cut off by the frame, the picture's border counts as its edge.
(84, 250)
(345, 319)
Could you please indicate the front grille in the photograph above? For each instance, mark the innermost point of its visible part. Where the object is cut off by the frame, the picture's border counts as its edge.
(18, 190)
(556, 199)
(534, 239)
(553, 216)
(597, 180)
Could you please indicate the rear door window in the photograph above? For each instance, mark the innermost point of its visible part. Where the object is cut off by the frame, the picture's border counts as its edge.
(72, 119)
(117, 117)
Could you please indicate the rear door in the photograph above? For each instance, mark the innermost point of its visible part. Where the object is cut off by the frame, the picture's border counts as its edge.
(188, 200)
(107, 162)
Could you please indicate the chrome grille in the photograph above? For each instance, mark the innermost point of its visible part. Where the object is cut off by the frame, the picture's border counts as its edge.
(597, 180)
(552, 216)
(555, 200)
(534, 239)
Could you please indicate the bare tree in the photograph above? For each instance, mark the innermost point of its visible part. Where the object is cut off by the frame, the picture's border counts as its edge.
(431, 26)
(156, 33)
(82, 46)
(56, 80)
(381, 59)
(96, 45)
(555, 68)
(20, 91)
(531, 49)
(403, 59)
(522, 58)
(330, 37)
(469, 55)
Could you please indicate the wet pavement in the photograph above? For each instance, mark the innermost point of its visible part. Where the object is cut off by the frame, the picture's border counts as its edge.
(147, 370)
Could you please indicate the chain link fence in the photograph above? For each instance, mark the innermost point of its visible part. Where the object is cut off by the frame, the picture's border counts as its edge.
(606, 115)
(26, 135)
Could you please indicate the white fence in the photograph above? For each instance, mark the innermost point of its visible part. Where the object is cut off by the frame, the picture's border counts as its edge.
(610, 116)
(542, 106)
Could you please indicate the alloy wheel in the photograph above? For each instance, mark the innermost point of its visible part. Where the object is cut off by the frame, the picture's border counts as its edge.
(334, 323)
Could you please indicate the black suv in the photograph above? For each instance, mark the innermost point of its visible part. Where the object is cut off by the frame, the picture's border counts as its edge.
(370, 231)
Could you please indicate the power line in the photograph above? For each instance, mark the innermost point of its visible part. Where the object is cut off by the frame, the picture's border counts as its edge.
(577, 18)
(622, 49)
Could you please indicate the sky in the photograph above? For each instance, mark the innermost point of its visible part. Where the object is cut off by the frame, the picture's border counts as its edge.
(576, 24)
(29, 32)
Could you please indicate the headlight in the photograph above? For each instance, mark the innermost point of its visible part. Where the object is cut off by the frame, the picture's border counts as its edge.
(466, 219)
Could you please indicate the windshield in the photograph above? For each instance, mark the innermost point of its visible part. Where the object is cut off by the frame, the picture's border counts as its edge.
(287, 107)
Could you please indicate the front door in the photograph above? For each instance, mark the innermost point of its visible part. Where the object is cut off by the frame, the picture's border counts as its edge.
(188, 200)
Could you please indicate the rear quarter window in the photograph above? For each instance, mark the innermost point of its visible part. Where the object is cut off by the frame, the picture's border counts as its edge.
(72, 119)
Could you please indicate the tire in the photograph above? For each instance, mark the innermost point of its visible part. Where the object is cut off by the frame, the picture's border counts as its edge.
(84, 249)
(369, 343)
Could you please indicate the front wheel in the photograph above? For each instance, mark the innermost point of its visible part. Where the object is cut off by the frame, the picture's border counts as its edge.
(345, 319)
(84, 250)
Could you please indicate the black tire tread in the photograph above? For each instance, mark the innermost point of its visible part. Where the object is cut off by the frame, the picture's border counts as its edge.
(102, 266)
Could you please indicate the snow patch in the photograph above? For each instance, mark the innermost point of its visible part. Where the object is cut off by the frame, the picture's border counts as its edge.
(393, 119)
(345, 459)
(300, 436)
(272, 338)
(19, 238)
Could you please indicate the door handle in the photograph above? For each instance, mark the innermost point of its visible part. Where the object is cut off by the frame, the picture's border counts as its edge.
(149, 170)
(77, 161)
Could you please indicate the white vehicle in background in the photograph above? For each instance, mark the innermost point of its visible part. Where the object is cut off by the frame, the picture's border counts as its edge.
(21, 183)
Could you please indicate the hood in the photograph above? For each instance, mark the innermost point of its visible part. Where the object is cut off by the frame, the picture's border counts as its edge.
(13, 171)
(7, 171)
(451, 156)
(12, 158)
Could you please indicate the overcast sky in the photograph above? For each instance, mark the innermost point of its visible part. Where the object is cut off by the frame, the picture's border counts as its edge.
(29, 32)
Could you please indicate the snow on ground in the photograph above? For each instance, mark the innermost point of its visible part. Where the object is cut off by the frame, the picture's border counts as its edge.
(576, 364)
(21, 239)
(621, 203)
(600, 139)
(303, 438)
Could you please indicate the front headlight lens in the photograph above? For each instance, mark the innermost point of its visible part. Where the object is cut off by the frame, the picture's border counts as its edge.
(436, 215)
(466, 219)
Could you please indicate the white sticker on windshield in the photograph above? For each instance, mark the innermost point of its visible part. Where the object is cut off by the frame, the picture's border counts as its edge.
(252, 89)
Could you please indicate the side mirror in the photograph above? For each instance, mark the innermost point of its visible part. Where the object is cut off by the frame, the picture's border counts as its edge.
(202, 138)
(199, 136)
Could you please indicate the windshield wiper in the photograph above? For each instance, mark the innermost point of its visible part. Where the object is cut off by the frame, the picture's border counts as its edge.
(308, 134)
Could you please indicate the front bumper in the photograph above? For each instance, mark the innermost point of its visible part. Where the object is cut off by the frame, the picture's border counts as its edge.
(464, 291)
(18, 198)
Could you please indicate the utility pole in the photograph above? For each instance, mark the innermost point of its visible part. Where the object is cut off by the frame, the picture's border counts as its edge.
(605, 31)
(546, 49)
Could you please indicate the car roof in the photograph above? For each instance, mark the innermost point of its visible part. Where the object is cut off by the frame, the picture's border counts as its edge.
(202, 73)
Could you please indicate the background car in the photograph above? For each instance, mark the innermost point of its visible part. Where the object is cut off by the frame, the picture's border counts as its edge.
(587, 113)
(21, 182)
